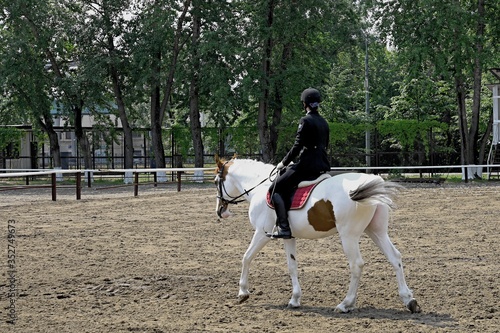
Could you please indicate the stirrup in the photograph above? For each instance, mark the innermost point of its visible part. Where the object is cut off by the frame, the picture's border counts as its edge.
(275, 234)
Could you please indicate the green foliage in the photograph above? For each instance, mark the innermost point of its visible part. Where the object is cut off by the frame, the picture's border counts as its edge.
(450, 41)
(412, 86)
(340, 133)
(182, 140)
(407, 132)
(241, 139)
(10, 135)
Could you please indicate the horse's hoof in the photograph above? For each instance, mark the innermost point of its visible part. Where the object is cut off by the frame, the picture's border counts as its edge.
(293, 306)
(242, 298)
(340, 309)
(413, 306)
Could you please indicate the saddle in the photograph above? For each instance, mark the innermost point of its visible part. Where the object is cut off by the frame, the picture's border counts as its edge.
(302, 192)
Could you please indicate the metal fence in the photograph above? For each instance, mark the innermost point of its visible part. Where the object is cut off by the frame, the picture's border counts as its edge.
(107, 152)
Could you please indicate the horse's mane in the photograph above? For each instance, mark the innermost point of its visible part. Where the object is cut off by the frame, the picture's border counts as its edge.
(252, 168)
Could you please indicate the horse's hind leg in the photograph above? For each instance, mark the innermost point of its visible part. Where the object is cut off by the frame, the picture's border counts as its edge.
(378, 232)
(259, 240)
(350, 244)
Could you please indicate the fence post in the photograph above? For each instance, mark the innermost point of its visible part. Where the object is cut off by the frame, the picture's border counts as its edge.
(136, 184)
(89, 179)
(179, 173)
(53, 175)
(78, 185)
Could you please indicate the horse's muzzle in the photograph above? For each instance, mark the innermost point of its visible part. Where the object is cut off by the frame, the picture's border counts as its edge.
(222, 211)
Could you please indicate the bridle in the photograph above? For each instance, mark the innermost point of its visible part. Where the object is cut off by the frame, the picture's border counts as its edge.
(221, 190)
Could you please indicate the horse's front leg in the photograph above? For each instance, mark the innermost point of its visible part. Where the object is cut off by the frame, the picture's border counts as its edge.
(291, 257)
(259, 240)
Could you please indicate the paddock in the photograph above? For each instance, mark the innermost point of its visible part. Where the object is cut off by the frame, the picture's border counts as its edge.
(163, 262)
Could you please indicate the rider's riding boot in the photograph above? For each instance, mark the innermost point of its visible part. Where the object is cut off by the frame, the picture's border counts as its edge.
(281, 218)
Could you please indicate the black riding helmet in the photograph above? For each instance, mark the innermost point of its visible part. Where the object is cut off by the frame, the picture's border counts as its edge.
(310, 95)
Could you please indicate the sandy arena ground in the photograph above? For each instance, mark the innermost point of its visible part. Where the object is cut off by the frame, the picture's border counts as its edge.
(163, 262)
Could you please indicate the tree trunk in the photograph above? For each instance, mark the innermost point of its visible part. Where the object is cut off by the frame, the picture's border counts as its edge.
(221, 143)
(159, 105)
(462, 124)
(262, 118)
(81, 137)
(194, 107)
(55, 151)
(175, 55)
(278, 102)
(117, 91)
(156, 119)
(196, 131)
(476, 98)
(469, 135)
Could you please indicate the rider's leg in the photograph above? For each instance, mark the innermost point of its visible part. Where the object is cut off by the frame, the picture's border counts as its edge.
(281, 218)
(281, 195)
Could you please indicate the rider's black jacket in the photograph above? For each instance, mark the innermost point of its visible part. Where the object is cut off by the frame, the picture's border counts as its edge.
(310, 145)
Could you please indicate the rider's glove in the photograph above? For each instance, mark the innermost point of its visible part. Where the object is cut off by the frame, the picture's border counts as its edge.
(280, 166)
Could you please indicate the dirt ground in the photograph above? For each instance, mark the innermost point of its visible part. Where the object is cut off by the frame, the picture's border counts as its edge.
(163, 262)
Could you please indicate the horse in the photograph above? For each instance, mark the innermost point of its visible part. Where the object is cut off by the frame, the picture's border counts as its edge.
(348, 204)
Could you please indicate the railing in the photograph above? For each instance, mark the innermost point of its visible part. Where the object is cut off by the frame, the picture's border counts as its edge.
(53, 174)
(133, 175)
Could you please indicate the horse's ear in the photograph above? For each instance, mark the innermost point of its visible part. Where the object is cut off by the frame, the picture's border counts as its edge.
(235, 156)
(218, 161)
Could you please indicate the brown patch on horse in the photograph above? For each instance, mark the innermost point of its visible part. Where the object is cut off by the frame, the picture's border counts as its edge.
(222, 163)
(321, 216)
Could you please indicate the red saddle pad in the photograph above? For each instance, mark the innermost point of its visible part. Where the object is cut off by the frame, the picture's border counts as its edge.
(299, 198)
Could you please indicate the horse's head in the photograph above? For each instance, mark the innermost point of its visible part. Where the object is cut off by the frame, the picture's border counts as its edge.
(224, 187)
(236, 179)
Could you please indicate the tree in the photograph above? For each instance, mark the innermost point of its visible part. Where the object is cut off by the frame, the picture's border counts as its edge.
(222, 68)
(106, 53)
(158, 39)
(447, 39)
(27, 84)
(194, 88)
(296, 43)
(56, 46)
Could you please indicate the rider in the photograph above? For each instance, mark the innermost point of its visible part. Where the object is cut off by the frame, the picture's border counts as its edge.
(310, 146)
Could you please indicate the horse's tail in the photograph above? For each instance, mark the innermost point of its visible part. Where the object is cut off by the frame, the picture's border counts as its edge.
(376, 191)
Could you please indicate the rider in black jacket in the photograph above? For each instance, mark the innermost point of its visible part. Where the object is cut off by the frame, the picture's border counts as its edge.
(310, 146)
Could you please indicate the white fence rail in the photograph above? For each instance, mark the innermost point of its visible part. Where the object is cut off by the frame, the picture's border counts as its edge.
(131, 176)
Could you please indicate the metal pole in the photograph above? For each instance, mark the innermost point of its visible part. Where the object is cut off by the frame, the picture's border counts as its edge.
(367, 108)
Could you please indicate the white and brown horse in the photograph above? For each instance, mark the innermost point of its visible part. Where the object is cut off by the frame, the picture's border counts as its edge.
(350, 204)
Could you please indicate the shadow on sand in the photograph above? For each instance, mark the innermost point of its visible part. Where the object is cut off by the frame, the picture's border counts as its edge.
(432, 319)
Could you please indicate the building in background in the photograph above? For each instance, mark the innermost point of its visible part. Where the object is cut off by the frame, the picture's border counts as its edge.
(107, 147)
(494, 154)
